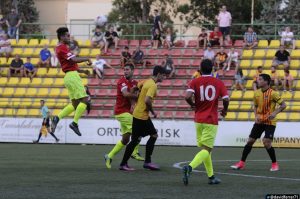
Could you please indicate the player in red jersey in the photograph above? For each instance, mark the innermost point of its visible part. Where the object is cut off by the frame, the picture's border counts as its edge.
(72, 80)
(125, 94)
(207, 90)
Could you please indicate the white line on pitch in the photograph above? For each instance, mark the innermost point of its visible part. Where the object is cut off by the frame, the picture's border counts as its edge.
(177, 165)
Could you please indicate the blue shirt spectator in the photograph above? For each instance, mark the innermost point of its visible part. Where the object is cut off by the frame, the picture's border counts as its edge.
(29, 66)
(45, 54)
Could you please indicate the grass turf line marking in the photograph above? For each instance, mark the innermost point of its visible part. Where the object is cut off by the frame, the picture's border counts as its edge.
(177, 165)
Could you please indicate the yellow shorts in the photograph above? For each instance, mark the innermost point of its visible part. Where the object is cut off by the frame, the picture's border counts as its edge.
(74, 85)
(206, 134)
(125, 120)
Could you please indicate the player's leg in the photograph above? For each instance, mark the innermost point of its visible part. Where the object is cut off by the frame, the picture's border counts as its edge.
(39, 137)
(267, 141)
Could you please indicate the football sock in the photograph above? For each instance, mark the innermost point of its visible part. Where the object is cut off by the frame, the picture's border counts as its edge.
(271, 152)
(66, 111)
(53, 136)
(136, 149)
(246, 151)
(199, 158)
(118, 147)
(129, 149)
(149, 148)
(40, 135)
(208, 166)
(79, 111)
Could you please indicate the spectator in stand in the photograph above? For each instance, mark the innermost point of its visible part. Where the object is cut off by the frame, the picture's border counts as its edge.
(239, 78)
(221, 58)
(29, 70)
(256, 76)
(138, 57)
(233, 59)
(287, 81)
(98, 65)
(157, 38)
(224, 21)
(126, 57)
(111, 37)
(275, 80)
(202, 39)
(54, 60)
(13, 22)
(216, 37)
(16, 66)
(156, 22)
(74, 46)
(98, 40)
(287, 38)
(196, 74)
(209, 53)
(169, 66)
(168, 40)
(2, 32)
(2, 20)
(45, 56)
(250, 38)
(5, 46)
(216, 72)
(282, 56)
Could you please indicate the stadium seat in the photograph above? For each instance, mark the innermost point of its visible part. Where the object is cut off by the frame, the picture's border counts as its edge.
(188, 53)
(146, 43)
(192, 44)
(256, 63)
(3, 81)
(53, 72)
(164, 52)
(248, 95)
(54, 92)
(59, 82)
(245, 64)
(171, 104)
(271, 53)
(196, 62)
(179, 83)
(13, 42)
(246, 105)
(152, 52)
(13, 81)
(53, 42)
(283, 116)
(44, 42)
(22, 43)
(230, 116)
(36, 52)
(234, 105)
(94, 52)
(179, 43)
(146, 72)
(163, 93)
(262, 44)
(41, 72)
(166, 114)
(36, 81)
(237, 95)
(274, 44)
(22, 112)
(238, 43)
(297, 95)
(106, 113)
(17, 51)
(297, 43)
(123, 42)
(166, 83)
(286, 95)
(48, 82)
(42, 92)
(295, 54)
(33, 43)
(243, 116)
(175, 93)
(176, 52)
(185, 63)
(134, 43)
(295, 64)
(31, 92)
(182, 72)
(87, 43)
(199, 53)
(84, 52)
(8, 92)
(294, 117)
(25, 81)
(247, 54)
(64, 93)
(34, 112)
(259, 54)
(10, 112)
(268, 63)
(28, 52)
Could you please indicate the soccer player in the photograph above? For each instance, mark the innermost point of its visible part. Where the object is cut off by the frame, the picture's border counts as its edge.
(206, 91)
(265, 101)
(142, 125)
(46, 123)
(125, 94)
(72, 80)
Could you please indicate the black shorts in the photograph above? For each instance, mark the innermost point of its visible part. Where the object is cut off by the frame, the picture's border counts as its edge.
(142, 128)
(46, 122)
(225, 30)
(258, 129)
(214, 42)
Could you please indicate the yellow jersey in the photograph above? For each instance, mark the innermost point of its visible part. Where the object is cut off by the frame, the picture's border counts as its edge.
(196, 74)
(147, 88)
(266, 103)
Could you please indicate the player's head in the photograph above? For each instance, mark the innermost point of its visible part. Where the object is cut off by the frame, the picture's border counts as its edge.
(206, 67)
(128, 71)
(28, 59)
(159, 73)
(282, 48)
(273, 69)
(63, 35)
(264, 80)
(42, 102)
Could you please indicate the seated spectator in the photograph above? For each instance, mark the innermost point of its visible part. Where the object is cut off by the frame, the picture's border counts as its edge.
(126, 57)
(282, 56)
(53, 60)
(287, 81)
(98, 40)
(5, 46)
(16, 66)
(287, 38)
(196, 74)
(221, 58)
(202, 39)
(111, 37)
(209, 53)
(250, 38)
(157, 40)
(233, 58)
(255, 78)
(45, 56)
(169, 66)
(2, 32)
(216, 72)
(74, 46)
(138, 57)
(216, 37)
(98, 69)
(29, 70)
(239, 78)
(275, 80)
(168, 40)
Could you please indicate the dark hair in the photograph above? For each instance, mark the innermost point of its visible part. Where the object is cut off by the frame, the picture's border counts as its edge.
(156, 10)
(126, 47)
(42, 101)
(266, 77)
(287, 71)
(260, 67)
(61, 32)
(158, 70)
(206, 67)
(130, 66)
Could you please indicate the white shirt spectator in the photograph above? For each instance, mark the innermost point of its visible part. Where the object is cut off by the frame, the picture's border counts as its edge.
(287, 36)
(224, 19)
(5, 45)
(99, 64)
(209, 54)
(233, 56)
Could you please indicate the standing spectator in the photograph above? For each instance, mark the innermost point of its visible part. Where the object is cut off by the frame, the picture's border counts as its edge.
(29, 70)
(250, 38)
(224, 21)
(233, 59)
(256, 76)
(282, 56)
(156, 22)
(275, 80)
(220, 59)
(98, 69)
(13, 22)
(239, 78)
(287, 38)
(157, 38)
(5, 46)
(216, 37)
(98, 40)
(74, 46)
(209, 53)
(169, 66)
(287, 81)
(45, 56)
(138, 57)
(111, 37)
(202, 39)
(168, 40)
(126, 57)
(16, 66)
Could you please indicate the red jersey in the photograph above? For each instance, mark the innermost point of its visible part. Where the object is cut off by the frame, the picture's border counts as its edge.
(64, 56)
(215, 35)
(207, 91)
(123, 104)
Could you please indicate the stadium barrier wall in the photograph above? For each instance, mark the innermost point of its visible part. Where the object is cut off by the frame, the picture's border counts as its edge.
(171, 132)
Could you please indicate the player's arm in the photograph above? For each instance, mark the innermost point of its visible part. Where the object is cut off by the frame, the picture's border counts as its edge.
(87, 72)
(108, 65)
(225, 106)
(148, 102)
(278, 110)
(81, 59)
(189, 98)
(130, 94)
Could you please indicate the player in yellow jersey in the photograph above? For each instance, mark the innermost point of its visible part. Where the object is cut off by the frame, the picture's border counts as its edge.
(265, 101)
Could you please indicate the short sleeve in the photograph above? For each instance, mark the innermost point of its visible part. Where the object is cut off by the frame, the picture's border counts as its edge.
(276, 97)
(122, 86)
(152, 91)
(191, 86)
(65, 53)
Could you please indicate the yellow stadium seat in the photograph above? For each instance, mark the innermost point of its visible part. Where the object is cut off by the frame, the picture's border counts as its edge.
(243, 116)
(252, 73)
(13, 81)
(286, 95)
(3, 61)
(236, 95)
(230, 116)
(64, 93)
(31, 92)
(247, 54)
(42, 92)
(22, 112)
(294, 73)
(13, 42)
(259, 54)
(48, 82)
(42, 72)
(297, 95)
(80, 42)
(20, 92)
(36, 52)
(8, 92)
(33, 42)
(35, 61)
(25, 81)
(297, 43)
(282, 116)
(252, 116)
(54, 42)
(263, 43)
(3, 81)
(234, 105)
(34, 112)
(17, 51)
(1, 111)
(44, 42)
(248, 95)
(84, 52)
(246, 106)
(87, 42)
(36, 81)
(10, 112)
(59, 82)
(245, 64)
(28, 52)
(294, 117)
(271, 53)
(297, 84)
(84, 81)
(94, 52)
(22, 42)
(4, 102)
(256, 63)
(53, 72)
(274, 44)
(60, 73)
(295, 64)
(54, 92)
(268, 63)
(249, 84)
(295, 54)
(295, 107)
